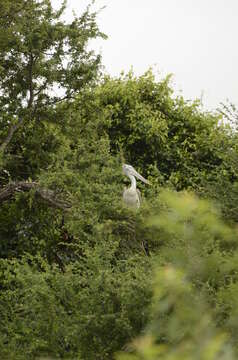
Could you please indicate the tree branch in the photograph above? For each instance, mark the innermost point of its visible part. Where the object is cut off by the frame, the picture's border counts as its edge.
(15, 127)
(11, 132)
(23, 186)
(31, 96)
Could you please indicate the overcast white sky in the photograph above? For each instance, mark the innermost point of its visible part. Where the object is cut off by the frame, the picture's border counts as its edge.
(194, 40)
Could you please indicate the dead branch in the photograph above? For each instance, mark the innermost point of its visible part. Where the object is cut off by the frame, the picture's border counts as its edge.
(47, 195)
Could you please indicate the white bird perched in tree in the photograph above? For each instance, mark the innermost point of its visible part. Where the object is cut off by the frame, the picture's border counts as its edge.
(132, 196)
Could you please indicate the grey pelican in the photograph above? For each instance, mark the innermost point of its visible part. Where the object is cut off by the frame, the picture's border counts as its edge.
(131, 196)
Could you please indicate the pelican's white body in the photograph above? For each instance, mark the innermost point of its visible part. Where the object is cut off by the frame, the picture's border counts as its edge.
(131, 196)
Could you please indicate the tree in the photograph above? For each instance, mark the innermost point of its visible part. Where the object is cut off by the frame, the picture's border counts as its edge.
(173, 140)
(43, 61)
(230, 113)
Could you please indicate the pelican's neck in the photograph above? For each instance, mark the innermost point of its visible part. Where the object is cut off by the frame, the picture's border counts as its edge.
(133, 182)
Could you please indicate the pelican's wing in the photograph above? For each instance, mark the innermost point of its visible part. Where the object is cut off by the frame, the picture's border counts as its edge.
(131, 198)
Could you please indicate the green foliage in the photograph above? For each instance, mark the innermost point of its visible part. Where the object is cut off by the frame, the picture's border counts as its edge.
(78, 282)
(91, 309)
(155, 129)
(43, 61)
(180, 315)
(196, 267)
(174, 141)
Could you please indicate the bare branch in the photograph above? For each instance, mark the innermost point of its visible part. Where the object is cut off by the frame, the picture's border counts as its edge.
(23, 186)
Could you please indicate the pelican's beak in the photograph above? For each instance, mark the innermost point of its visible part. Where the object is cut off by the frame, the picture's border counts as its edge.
(138, 176)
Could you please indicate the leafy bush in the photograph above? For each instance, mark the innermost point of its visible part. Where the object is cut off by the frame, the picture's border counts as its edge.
(195, 287)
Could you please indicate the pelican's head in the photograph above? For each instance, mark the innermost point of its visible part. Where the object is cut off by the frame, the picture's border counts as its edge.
(129, 170)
